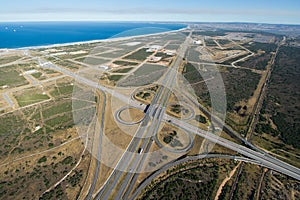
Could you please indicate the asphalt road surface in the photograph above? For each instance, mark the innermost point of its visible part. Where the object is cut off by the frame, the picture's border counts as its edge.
(156, 113)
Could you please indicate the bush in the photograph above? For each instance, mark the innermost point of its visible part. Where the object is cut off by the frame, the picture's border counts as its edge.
(201, 119)
(42, 159)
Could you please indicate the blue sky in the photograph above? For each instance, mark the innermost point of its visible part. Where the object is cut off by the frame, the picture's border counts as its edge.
(271, 11)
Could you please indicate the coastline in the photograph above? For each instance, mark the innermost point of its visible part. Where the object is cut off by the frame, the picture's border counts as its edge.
(92, 41)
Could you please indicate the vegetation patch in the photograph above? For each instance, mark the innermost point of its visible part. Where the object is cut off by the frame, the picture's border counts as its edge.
(31, 96)
(210, 33)
(57, 108)
(124, 70)
(92, 60)
(146, 74)
(124, 63)
(223, 41)
(282, 99)
(8, 59)
(194, 180)
(256, 46)
(210, 42)
(201, 119)
(11, 77)
(115, 78)
(259, 62)
(42, 159)
(139, 55)
(62, 89)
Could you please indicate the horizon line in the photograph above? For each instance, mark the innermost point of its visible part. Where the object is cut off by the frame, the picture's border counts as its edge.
(152, 21)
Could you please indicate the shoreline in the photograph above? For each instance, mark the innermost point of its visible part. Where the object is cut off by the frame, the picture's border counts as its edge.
(91, 41)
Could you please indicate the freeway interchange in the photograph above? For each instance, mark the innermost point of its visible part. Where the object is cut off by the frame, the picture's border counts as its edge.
(121, 180)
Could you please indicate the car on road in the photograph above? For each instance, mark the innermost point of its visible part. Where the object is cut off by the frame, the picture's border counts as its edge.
(140, 150)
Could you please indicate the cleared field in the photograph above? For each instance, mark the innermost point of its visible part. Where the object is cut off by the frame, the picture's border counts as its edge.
(172, 46)
(68, 64)
(124, 63)
(72, 56)
(100, 49)
(59, 122)
(176, 37)
(61, 89)
(193, 55)
(132, 115)
(10, 76)
(113, 54)
(223, 41)
(92, 60)
(139, 55)
(30, 96)
(8, 59)
(57, 108)
(148, 68)
(145, 75)
(231, 60)
(210, 42)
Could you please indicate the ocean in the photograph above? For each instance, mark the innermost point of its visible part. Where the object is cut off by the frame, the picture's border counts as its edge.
(28, 34)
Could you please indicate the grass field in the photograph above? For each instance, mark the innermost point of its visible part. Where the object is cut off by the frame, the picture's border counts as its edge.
(139, 55)
(68, 64)
(62, 89)
(172, 46)
(223, 41)
(210, 42)
(8, 59)
(145, 75)
(30, 96)
(114, 77)
(124, 70)
(148, 68)
(113, 54)
(92, 60)
(60, 122)
(70, 56)
(193, 55)
(37, 75)
(10, 76)
(124, 63)
(57, 108)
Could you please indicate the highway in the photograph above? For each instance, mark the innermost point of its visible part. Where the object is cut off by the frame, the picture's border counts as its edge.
(78, 78)
(133, 162)
(219, 122)
(263, 158)
(98, 156)
(157, 119)
(156, 113)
